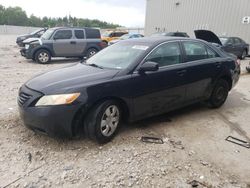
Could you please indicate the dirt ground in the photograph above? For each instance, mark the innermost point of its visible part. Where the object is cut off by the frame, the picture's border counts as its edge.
(194, 142)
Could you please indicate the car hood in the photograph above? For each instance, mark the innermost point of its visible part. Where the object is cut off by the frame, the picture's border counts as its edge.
(30, 40)
(208, 36)
(115, 41)
(69, 78)
(23, 36)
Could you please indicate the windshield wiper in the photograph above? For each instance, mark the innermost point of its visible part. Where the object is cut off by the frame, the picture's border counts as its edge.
(95, 65)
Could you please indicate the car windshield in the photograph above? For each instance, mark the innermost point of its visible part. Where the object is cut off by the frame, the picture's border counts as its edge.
(47, 34)
(36, 31)
(124, 37)
(223, 40)
(118, 56)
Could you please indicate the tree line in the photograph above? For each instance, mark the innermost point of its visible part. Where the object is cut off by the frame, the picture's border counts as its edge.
(17, 16)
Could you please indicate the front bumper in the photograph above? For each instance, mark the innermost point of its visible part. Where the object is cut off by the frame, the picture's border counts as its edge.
(27, 53)
(55, 121)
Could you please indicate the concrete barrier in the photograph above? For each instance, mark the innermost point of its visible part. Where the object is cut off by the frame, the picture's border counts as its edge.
(16, 30)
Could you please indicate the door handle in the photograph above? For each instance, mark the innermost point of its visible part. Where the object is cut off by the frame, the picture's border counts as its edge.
(72, 42)
(181, 72)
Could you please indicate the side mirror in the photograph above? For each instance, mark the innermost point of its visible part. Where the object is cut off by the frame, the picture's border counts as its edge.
(229, 44)
(149, 66)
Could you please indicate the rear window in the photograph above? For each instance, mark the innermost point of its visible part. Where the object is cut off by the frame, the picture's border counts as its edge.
(79, 34)
(92, 33)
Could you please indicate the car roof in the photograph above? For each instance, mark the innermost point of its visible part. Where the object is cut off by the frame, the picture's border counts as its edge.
(56, 28)
(160, 39)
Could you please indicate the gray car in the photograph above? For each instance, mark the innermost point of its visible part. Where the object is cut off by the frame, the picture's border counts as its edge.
(63, 42)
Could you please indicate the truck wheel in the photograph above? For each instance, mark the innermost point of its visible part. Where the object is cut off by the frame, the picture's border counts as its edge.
(91, 52)
(102, 122)
(42, 56)
(219, 94)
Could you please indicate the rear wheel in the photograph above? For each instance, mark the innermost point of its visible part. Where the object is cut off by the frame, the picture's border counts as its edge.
(219, 94)
(102, 122)
(42, 56)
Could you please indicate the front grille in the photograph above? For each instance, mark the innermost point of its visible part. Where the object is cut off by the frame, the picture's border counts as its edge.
(23, 97)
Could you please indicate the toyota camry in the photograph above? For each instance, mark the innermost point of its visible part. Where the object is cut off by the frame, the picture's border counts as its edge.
(130, 80)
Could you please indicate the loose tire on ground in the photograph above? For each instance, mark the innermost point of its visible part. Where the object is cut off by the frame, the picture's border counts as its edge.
(102, 122)
(219, 94)
(42, 56)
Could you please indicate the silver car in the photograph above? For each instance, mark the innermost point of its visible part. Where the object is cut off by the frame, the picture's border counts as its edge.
(63, 42)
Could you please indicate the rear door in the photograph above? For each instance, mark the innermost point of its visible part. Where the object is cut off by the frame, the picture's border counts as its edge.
(81, 41)
(162, 90)
(203, 65)
(239, 46)
(230, 46)
(64, 43)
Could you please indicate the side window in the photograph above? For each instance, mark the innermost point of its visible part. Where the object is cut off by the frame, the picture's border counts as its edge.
(194, 51)
(63, 34)
(230, 41)
(211, 53)
(237, 41)
(166, 54)
(79, 34)
(92, 33)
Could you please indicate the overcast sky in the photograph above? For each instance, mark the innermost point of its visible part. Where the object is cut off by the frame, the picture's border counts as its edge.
(130, 13)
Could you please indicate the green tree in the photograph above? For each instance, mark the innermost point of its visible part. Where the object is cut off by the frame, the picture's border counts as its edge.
(2, 10)
(15, 16)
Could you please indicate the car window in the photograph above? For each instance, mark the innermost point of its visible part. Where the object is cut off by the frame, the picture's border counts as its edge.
(79, 34)
(230, 41)
(212, 54)
(166, 54)
(194, 51)
(237, 41)
(63, 34)
(92, 33)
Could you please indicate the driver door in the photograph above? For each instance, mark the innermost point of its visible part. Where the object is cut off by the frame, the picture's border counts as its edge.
(163, 90)
(63, 43)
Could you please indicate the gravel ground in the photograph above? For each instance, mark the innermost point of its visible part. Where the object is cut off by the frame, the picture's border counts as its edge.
(194, 152)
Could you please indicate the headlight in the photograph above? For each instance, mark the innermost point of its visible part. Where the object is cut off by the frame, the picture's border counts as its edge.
(27, 46)
(34, 45)
(60, 99)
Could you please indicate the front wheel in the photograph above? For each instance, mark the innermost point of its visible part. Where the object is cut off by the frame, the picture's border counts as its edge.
(102, 122)
(42, 56)
(219, 94)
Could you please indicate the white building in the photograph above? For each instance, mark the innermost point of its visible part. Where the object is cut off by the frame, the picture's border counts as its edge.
(223, 17)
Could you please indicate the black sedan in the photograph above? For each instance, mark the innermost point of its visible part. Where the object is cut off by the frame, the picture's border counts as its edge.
(236, 46)
(36, 34)
(233, 45)
(130, 80)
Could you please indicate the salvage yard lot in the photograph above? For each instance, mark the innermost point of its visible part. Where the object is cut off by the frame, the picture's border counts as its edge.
(194, 142)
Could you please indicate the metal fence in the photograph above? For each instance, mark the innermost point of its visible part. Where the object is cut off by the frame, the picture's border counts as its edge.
(16, 30)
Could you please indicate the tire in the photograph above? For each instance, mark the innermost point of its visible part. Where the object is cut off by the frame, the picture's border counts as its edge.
(98, 124)
(219, 94)
(91, 52)
(243, 55)
(42, 56)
